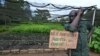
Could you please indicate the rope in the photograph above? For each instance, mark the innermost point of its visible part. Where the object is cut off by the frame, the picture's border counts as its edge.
(65, 7)
(39, 6)
(57, 7)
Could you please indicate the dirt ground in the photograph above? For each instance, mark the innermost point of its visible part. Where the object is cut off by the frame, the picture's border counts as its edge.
(94, 54)
(48, 54)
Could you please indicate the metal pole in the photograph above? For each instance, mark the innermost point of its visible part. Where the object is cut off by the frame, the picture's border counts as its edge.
(94, 14)
(69, 52)
(94, 17)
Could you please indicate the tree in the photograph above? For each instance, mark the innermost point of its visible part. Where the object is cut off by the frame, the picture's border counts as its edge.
(41, 15)
(27, 10)
(15, 10)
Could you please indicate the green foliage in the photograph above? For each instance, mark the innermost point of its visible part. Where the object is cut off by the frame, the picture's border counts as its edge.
(36, 28)
(32, 27)
(3, 28)
(41, 15)
(15, 11)
(95, 44)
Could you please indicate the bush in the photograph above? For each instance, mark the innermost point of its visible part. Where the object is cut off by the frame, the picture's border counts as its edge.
(3, 28)
(95, 44)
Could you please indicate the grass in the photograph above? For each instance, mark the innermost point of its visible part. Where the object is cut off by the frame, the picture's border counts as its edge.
(32, 28)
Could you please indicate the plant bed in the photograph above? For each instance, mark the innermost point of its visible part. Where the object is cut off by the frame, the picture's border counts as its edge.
(23, 41)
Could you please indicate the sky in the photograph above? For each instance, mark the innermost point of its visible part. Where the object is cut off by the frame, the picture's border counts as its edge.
(77, 3)
(70, 2)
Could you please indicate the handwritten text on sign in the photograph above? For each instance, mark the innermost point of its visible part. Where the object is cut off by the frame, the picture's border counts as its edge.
(63, 39)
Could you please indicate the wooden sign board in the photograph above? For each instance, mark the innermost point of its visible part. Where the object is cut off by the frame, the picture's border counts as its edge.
(63, 39)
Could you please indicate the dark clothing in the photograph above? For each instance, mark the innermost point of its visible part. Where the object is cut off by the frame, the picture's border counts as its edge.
(82, 45)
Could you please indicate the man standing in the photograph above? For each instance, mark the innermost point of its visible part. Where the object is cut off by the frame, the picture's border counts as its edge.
(82, 27)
